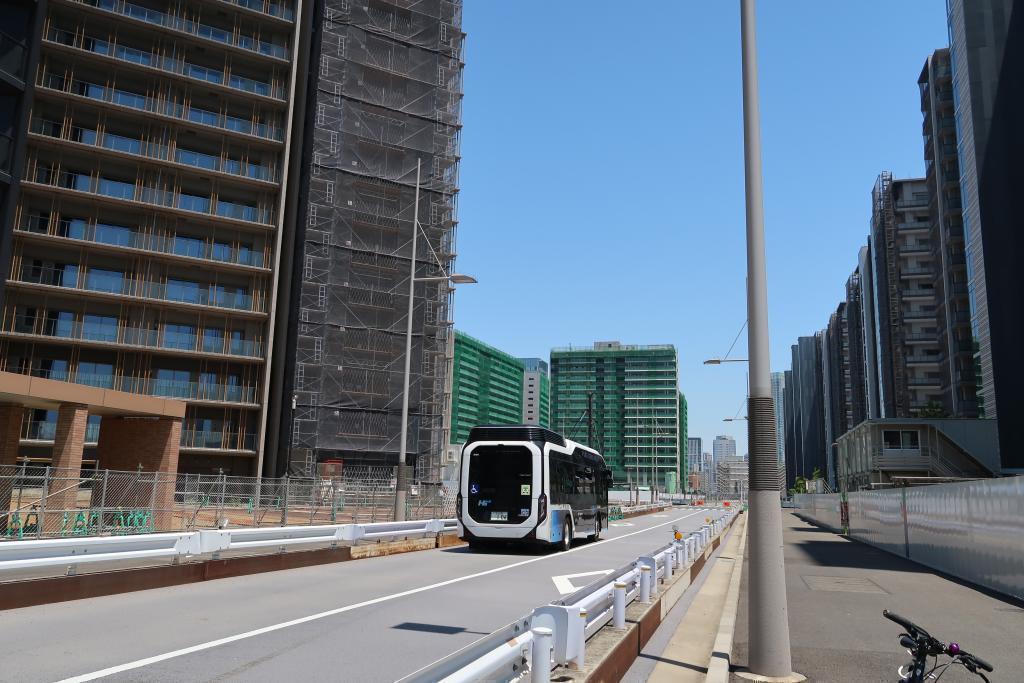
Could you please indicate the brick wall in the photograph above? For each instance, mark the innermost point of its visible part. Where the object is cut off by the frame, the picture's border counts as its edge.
(146, 450)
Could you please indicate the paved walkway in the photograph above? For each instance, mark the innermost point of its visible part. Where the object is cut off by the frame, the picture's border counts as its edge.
(837, 590)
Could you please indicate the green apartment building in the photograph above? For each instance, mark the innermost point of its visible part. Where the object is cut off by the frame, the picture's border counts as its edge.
(636, 407)
(487, 387)
(684, 440)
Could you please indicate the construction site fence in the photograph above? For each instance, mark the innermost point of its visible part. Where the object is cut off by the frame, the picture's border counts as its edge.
(47, 502)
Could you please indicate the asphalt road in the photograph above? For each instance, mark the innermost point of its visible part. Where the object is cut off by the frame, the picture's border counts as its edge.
(366, 620)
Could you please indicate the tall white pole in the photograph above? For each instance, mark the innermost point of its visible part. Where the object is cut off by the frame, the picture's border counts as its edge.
(401, 478)
(768, 615)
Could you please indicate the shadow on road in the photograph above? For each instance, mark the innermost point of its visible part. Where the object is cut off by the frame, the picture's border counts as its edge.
(435, 628)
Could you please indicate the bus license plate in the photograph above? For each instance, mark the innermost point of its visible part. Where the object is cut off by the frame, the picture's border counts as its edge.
(499, 516)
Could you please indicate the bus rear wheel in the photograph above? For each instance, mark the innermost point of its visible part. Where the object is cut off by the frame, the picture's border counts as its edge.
(566, 536)
(596, 536)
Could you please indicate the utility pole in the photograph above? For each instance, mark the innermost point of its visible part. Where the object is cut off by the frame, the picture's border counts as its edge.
(768, 614)
(590, 419)
(402, 473)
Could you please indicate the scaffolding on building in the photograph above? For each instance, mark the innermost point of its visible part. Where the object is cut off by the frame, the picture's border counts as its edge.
(387, 98)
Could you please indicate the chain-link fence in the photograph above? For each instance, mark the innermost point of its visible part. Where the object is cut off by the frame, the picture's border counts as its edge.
(46, 502)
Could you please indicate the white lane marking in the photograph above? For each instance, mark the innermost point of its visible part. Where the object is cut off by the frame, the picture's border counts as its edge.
(565, 586)
(139, 663)
(622, 524)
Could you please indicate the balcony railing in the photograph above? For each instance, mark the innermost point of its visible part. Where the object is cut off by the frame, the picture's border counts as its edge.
(78, 229)
(133, 192)
(272, 9)
(918, 315)
(195, 28)
(138, 336)
(153, 150)
(6, 152)
(171, 65)
(40, 430)
(917, 271)
(13, 54)
(189, 390)
(161, 106)
(92, 281)
(191, 438)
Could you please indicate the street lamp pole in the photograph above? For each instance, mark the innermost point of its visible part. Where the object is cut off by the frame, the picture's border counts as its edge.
(768, 615)
(401, 476)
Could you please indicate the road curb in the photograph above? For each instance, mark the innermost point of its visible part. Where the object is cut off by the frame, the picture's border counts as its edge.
(721, 652)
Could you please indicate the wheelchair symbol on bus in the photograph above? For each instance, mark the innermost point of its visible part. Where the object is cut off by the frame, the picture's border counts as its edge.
(474, 488)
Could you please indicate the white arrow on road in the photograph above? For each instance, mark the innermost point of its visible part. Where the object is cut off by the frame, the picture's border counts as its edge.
(565, 586)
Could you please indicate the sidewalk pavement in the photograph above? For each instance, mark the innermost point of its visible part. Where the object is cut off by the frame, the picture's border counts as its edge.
(681, 648)
(837, 589)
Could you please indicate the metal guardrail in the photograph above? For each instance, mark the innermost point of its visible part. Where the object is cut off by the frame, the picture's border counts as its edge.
(556, 634)
(70, 552)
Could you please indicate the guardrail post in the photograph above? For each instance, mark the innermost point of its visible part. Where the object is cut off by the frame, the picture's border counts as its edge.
(284, 501)
(670, 558)
(41, 517)
(619, 605)
(540, 655)
(581, 644)
(645, 583)
(103, 504)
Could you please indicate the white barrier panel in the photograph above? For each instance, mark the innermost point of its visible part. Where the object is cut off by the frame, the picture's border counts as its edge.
(972, 530)
(72, 551)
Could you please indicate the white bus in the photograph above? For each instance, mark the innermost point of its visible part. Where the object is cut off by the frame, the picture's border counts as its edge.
(526, 484)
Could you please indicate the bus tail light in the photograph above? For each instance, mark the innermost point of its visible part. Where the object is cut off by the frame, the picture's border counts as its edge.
(542, 507)
(458, 507)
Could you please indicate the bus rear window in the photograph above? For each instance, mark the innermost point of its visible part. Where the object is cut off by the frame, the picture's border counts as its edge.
(500, 484)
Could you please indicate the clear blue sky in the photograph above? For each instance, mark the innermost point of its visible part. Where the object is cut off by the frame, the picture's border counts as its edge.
(602, 171)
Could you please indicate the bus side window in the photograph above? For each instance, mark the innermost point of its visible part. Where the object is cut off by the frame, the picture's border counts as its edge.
(562, 484)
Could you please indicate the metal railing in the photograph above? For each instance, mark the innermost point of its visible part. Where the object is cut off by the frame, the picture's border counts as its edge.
(45, 502)
(138, 337)
(225, 36)
(556, 634)
(68, 553)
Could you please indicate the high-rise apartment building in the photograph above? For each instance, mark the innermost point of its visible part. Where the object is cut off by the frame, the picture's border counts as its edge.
(779, 403)
(383, 114)
(857, 409)
(487, 387)
(536, 392)
(635, 396)
(808, 429)
(694, 450)
(986, 38)
(723, 447)
(684, 425)
(977, 35)
(145, 240)
(904, 270)
(214, 201)
(953, 316)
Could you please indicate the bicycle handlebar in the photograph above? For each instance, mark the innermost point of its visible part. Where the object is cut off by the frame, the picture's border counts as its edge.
(936, 646)
(976, 660)
(910, 626)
